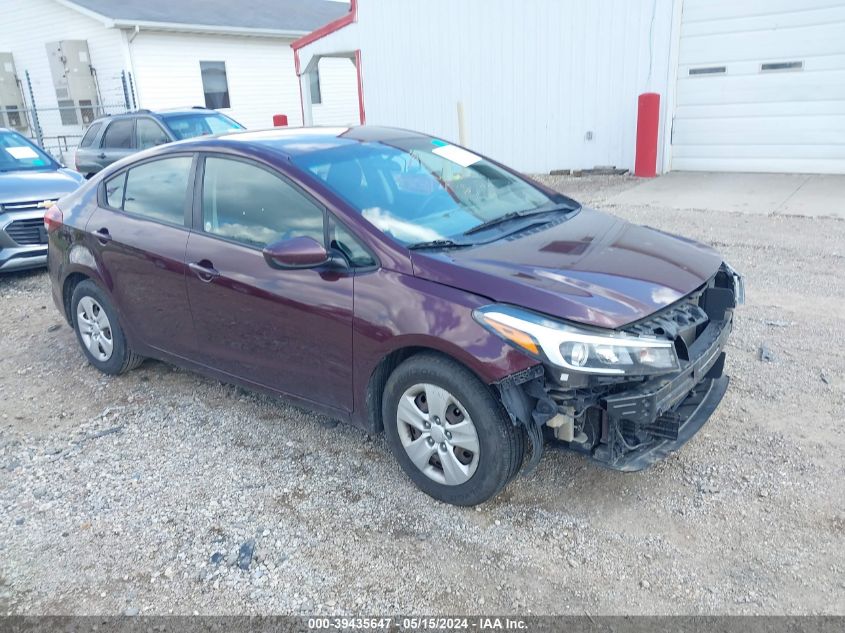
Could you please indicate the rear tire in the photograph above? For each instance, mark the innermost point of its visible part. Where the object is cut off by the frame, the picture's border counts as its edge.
(449, 432)
(98, 330)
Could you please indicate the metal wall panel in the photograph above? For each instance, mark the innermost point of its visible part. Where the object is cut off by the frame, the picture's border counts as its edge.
(748, 118)
(545, 84)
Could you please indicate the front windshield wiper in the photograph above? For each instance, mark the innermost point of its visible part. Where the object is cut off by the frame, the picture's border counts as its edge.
(513, 215)
(437, 244)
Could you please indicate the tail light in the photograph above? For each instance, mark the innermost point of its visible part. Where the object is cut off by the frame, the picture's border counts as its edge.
(53, 219)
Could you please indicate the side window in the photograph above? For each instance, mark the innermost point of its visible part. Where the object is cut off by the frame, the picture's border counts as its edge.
(90, 135)
(343, 240)
(246, 203)
(157, 189)
(118, 135)
(114, 191)
(149, 133)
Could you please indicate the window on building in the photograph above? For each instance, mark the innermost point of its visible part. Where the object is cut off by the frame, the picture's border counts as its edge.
(248, 204)
(215, 86)
(157, 189)
(118, 134)
(314, 79)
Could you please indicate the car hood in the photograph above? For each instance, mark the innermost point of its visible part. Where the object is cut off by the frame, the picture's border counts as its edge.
(29, 186)
(592, 268)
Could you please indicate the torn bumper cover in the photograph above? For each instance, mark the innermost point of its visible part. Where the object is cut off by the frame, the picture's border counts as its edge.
(630, 422)
(662, 415)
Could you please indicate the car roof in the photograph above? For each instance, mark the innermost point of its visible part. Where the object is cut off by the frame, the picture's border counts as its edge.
(298, 141)
(165, 111)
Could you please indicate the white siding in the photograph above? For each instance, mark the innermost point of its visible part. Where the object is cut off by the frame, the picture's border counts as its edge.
(260, 72)
(534, 77)
(27, 25)
(339, 91)
(748, 120)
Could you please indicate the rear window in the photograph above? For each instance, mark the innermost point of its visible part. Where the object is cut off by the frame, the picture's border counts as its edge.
(118, 134)
(199, 124)
(156, 190)
(90, 135)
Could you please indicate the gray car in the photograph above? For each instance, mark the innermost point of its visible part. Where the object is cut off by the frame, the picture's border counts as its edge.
(30, 180)
(110, 138)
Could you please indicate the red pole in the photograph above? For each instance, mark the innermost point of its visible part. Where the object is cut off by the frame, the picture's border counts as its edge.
(648, 121)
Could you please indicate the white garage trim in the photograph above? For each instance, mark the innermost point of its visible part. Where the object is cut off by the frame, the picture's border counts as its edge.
(760, 87)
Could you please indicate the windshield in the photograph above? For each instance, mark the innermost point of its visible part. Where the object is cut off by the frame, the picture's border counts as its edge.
(18, 154)
(420, 190)
(199, 124)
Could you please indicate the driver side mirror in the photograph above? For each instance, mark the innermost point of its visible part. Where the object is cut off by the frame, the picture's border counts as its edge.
(296, 252)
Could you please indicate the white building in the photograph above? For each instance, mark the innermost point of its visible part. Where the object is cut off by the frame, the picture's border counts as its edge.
(745, 85)
(94, 56)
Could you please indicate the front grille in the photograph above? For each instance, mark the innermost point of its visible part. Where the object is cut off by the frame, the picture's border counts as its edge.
(26, 232)
(672, 322)
(11, 207)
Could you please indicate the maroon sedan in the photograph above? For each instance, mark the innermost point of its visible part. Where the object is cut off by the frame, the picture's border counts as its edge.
(401, 283)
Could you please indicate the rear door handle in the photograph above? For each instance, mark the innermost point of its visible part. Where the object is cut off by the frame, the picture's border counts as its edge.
(205, 270)
(103, 236)
(101, 155)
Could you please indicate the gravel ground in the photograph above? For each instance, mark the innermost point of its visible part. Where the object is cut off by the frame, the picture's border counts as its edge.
(145, 493)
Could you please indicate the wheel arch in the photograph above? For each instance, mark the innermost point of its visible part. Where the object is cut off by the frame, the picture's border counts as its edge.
(69, 284)
(390, 361)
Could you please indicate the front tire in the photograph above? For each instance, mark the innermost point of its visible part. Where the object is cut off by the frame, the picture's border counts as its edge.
(98, 331)
(448, 431)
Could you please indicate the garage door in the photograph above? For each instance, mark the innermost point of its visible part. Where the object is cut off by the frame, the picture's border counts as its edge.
(761, 86)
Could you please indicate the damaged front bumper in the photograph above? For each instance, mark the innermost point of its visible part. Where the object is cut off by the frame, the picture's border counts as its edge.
(643, 425)
(628, 424)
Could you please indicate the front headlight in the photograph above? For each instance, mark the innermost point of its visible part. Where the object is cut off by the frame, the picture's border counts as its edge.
(578, 349)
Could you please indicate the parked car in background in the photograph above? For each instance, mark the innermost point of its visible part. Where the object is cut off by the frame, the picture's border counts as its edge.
(404, 284)
(30, 181)
(110, 138)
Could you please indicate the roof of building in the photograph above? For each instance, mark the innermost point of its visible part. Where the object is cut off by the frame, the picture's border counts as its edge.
(267, 17)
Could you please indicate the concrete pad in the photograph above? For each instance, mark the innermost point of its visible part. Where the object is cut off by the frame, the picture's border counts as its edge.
(787, 194)
(818, 196)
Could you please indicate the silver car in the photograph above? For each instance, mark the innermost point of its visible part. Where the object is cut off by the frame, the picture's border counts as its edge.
(30, 180)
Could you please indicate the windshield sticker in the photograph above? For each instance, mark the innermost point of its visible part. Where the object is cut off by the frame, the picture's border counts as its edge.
(457, 155)
(22, 152)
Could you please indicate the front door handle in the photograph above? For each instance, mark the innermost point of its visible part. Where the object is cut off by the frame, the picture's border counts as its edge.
(205, 270)
(103, 236)
(101, 155)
